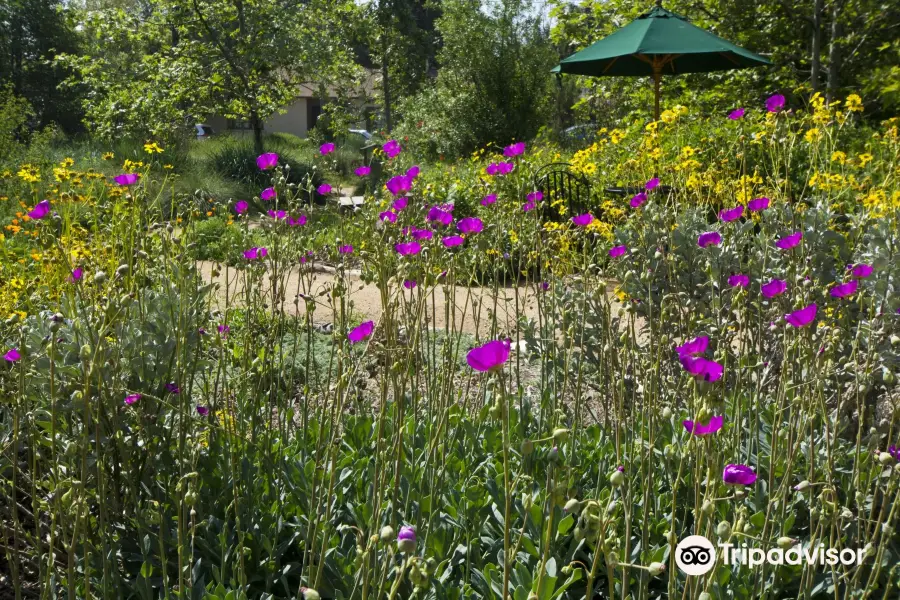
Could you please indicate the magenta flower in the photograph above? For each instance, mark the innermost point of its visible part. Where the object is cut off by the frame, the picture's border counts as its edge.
(324, 189)
(775, 103)
(489, 199)
(776, 287)
(76, 275)
(255, 253)
(267, 194)
(398, 184)
(298, 222)
(758, 204)
(788, 242)
(40, 211)
(638, 199)
(361, 332)
(715, 424)
(489, 356)
(127, 178)
(652, 184)
(408, 248)
(452, 241)
(470, 225)
(731, 214)
(388, 216)
(267, 161)
(413, 172)
(702, 368)
(500, 168)
(710, 238)
(736, 114)
(697, 345)
(617, 251)
(362, 171)
(583, 220)
(132, 398)
(345, 249)
(202, 410)
(241, 206)
(326, 148)
(12, 355)
(739, 279)
(738, 475)
(277, 214)
(802, 317)
(400, 203)
(224, 330)
(528, 206)
(392, 148)
(421, 234)
(439, 215)
(844, 289)
(409, 283)
(861, 271)
(535, 196)
(514, 150)
(172, 388)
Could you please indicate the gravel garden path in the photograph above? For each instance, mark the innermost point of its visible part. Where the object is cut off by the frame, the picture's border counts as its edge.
(466, 301)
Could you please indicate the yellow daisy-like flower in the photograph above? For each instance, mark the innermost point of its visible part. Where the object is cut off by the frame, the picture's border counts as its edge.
(865, 158)
(839, 157)
(652, 126)
(854, 103)
(108, 156)
(812, 135)
(668, 116)
(152, 147)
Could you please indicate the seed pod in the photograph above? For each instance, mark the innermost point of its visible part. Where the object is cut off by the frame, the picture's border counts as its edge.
(801, 486)
(656, 569)
(527, 447)
(786, 542)
(560, 435)
(573, 506)
(708, 507)
(885, 458)
(617, 478)
(667, 413)
(387, 534)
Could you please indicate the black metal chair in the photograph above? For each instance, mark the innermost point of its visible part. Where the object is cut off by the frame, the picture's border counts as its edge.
(556, 181)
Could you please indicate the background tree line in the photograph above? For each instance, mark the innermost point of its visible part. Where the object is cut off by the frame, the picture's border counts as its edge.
(454, 74)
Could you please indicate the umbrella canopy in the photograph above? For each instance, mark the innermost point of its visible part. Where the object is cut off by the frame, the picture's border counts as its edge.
(658, 43)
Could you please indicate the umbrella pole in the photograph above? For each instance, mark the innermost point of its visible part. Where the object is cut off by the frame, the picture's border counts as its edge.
(657, 75)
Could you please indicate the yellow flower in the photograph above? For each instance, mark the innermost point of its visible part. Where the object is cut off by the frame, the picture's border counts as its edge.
(17, 283)
(838, 157)
(108, 156)
(151, 147)
(854, 103)
(168, 167)
(668, 116)
(864, 158)
(29, 174)
(687, 152)
(652, 126)
(67, 162)
(616, 136)
(35, 256)
(812, 135)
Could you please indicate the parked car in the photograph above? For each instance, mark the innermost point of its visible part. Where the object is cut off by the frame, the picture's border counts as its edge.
(204, 132)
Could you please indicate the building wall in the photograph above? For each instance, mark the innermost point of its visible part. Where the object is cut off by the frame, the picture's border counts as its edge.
(293, 121)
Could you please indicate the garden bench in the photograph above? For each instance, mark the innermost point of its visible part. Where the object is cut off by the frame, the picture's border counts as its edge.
(557, 181)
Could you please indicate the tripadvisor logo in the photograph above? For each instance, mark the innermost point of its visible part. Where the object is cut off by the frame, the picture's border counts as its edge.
(696, 555)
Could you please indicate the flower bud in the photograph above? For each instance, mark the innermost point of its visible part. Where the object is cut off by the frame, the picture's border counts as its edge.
(656, 569)
(704, 596)
(708, 507)
(553, 455)
(527, 447)
(667, 413)
(801, 486)
(885, 458)
(100, 278)
(573, 506)
(386, 534)
(617, 478)
(309, 594)
(85, 352)
(723, 530)
(786, 543)
(406, 539)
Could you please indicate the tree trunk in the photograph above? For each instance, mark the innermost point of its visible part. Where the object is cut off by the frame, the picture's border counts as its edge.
(834, 52)
(257, 125)
(815, 74)
(386, 84)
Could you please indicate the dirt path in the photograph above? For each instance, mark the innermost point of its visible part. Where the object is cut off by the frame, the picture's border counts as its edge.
(471, 305)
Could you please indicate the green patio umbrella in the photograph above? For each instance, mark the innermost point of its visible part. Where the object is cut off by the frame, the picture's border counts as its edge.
(658, 43)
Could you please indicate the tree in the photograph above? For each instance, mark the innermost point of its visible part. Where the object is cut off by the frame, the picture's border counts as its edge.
(32, 33)
(244, 59)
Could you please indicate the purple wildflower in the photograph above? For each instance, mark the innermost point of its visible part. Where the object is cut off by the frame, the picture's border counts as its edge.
(788, 242)
(738, 475)
(736, 114)
(267, 194)
(392, 148)
(361, 332)
(241, 206)
(583, 220)
(758, 204)
(775, 103)
(132, 398)
(738, 279)
(844, 289)
(470, 225)
(408, 248)
(489, 356)
(362, 171)
(731, 214)
(266, 161)
(326, 148)
(12, 355)
(861, 271)
(710, 238)
(617, 251)
(652, 184)
(126, 179)
(514, 150)
(489, 199)
(324, 189)
(40, 211)
(76, 275)
(802, 317)
(776, 287)
(638, 199)
(714, 425)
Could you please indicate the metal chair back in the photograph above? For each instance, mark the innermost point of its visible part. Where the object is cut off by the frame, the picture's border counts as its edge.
(558, 183)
